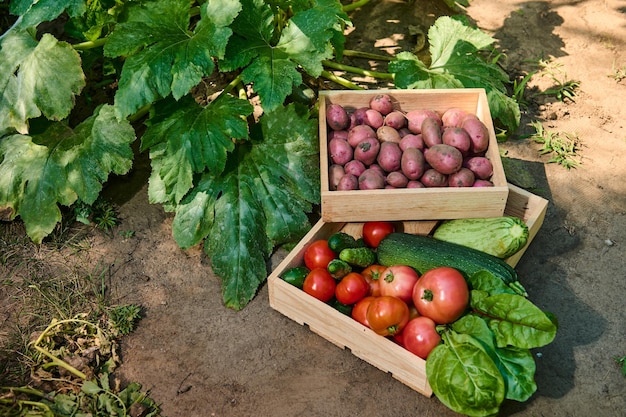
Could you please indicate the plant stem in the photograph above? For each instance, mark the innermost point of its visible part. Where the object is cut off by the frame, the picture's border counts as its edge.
(61, 363)
(83, 46)
(230, 86)
(355, 5)
(341, 81)
(356, 70)
(366, 55)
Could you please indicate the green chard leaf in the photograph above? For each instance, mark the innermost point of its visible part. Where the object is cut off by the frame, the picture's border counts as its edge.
(456, 63)
(271, 57)
(36, 78)
(185, 138)
(515, 320)
(260, 200)
(464, 377)
(516, 365)
(164, 56)
(59, 166)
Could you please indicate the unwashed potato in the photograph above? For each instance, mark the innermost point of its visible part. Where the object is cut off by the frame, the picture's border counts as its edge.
(373, 118)
(397, 179)
(478, 133)
(340, 151)
(388, 134)
(335, 172)
(367, 150)
(416, 117)
(358, 133)
(382, 103)
(462, 178)
(348, 182)
(390, 156)
(337, 117)
(434, 178)
(411, 141)
(444, 158)
(354, 167)
(480, 166)
(412, 163)
(457, 137)
(396, 119)
(431, 132)
(453, 117)
(371, 179)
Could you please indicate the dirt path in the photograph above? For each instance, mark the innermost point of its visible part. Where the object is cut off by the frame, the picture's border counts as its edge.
(200, 359)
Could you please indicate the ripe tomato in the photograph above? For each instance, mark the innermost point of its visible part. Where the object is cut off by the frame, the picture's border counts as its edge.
(359, 311)
(387, 315)
(420, 336)
(374, 232)
(398, 281)
(351, 288)
(318, 254)
(372, 275)
(320, 284)
(441, 294)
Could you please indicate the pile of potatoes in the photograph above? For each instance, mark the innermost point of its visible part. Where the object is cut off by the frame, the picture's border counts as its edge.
(380, 146)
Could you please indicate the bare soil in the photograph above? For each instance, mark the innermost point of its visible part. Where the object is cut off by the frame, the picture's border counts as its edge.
(198, 358)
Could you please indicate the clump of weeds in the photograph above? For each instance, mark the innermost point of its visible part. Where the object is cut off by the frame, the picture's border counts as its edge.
(563, 147)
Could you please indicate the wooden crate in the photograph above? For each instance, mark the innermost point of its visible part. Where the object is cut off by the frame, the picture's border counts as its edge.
(411, 204)
(342, 330)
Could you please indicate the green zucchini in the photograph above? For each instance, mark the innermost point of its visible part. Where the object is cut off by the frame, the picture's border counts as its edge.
(425, 252)
(497, 236)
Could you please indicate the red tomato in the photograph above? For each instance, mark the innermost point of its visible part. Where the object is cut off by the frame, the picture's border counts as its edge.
(318, 254)
(351, 288)
(387, 315)
(320, 284)
(398, 281)
(372, 275)
(374, 232)
(420, 336)
(359, 311)
(441, 294)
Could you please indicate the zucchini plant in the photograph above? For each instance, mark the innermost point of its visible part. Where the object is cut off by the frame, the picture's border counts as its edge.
(81, 79)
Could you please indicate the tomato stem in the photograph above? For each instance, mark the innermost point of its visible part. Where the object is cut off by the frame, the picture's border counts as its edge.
(428, 295)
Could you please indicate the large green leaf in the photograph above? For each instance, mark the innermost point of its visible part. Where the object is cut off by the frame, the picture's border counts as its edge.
(36, 78)
(456, 62)
(59, 166)
(164, 55)
(260, 200)
(33, 12)
(271, 57)
(185, 138)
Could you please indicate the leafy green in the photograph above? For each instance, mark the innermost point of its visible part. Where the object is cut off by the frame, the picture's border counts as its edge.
(464, 377)
(34, 12)
(271, 56)
(456, 63)
(259, 200)
(516, 321)
(59, 166)
(164, 57)
(36, 77)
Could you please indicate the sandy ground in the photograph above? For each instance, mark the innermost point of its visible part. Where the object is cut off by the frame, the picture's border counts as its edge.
(199, 359)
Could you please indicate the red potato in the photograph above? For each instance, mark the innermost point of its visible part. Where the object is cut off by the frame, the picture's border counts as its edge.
(389, 156)
(383, 103)
(453, 117)
(371, 179)
(360, 132)
(354, 167)
(416, 117)
(357, 117)
(434, 178)
(377, 168)
(339, 134)
(480, 166)
(335, 172)
(412, 163)
(367, 151)
(444, 158)
(348, 182)
(403, 131)
(396, 119)
(373, 118)
(462, 178)
(337, 117)
(412, 141)
(397, 179)
(388, 134)
(431, 132)
(478, 133)
(457, 137)
(340, 151)
(414, 184)
(482, 183)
